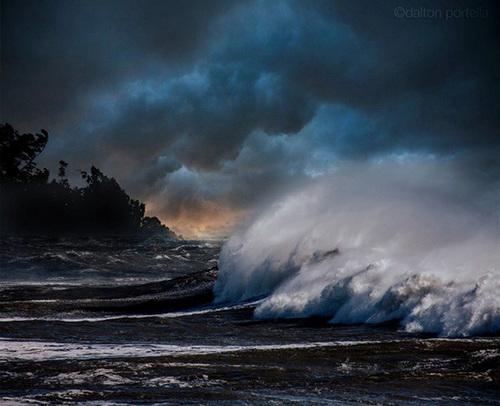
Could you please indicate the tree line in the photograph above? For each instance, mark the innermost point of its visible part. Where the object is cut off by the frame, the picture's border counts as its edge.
(32, 203)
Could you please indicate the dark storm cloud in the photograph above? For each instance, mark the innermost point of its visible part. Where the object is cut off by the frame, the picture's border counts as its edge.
(205, 116)
(194, 103)
(54, 52)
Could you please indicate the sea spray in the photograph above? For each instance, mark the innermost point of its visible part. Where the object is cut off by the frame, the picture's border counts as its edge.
(409, 240)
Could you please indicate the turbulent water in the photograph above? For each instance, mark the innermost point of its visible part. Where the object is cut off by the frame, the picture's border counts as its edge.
(119, 321)
(413, 243)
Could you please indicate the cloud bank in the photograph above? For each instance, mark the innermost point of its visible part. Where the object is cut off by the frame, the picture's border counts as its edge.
(207, 110)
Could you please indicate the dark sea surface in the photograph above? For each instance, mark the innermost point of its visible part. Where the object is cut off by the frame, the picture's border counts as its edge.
(124, 321)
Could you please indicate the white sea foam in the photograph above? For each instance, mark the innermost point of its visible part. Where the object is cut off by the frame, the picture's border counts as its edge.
(169, 315)
(162, 256)
(103, 376)
(416, 241)
(43, 350)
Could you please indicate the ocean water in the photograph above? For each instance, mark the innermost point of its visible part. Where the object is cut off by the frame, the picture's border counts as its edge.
(414, 243)
(123, 321)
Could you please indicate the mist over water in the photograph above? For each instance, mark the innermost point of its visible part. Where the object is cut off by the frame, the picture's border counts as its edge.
(415, 240)
(112, 320)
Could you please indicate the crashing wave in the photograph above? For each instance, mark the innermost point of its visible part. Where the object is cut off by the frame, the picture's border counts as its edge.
(389, 241)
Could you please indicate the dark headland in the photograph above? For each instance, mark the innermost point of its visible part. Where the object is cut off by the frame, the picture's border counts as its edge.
(31, 203)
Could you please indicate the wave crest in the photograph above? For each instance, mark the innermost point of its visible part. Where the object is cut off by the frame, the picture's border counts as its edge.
(373, 243)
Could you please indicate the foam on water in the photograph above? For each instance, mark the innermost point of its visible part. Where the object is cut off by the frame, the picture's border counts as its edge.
(416, 241)
(168, 315)
(42, 350)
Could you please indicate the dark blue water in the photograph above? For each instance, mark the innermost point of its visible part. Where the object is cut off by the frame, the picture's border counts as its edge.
(124, 321)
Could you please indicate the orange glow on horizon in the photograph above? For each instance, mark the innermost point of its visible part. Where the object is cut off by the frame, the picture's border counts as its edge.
(213, 221)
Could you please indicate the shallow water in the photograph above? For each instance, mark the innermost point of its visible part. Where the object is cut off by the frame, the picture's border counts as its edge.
(104, 322)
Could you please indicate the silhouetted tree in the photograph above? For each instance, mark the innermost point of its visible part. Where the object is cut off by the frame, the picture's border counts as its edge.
(17, 155)
(104, 199)
(61, 173)
(152, 226)
(32, 204)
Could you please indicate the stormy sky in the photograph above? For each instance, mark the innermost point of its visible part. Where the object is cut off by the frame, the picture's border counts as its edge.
(207, 109)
